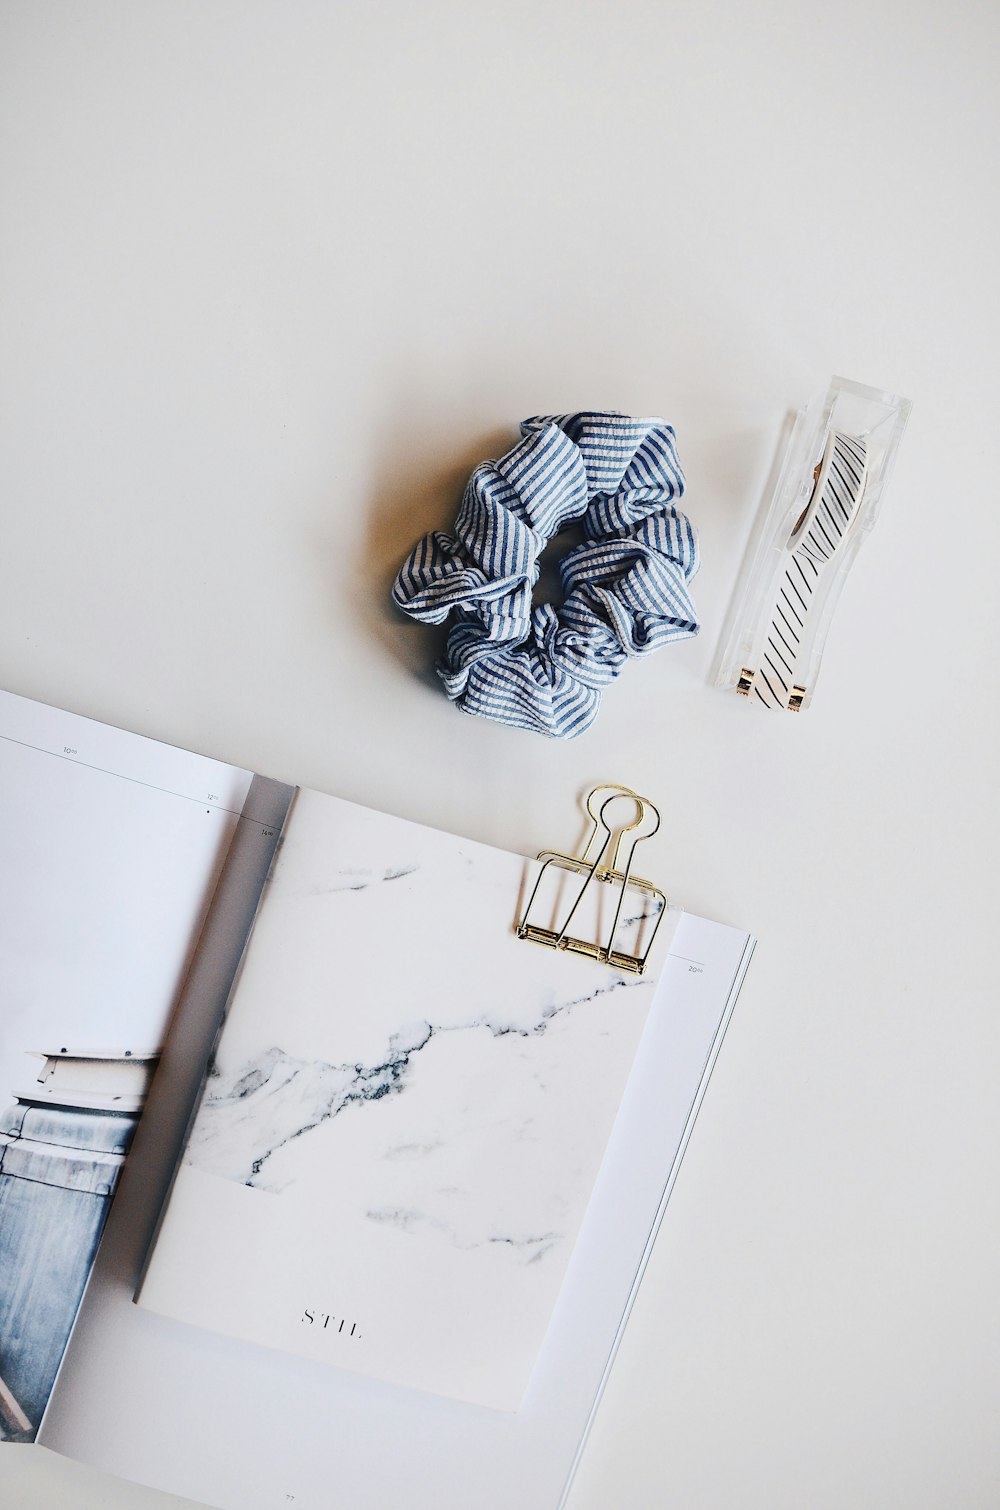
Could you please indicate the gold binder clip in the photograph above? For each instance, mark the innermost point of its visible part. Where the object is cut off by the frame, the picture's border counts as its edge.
(606, 839)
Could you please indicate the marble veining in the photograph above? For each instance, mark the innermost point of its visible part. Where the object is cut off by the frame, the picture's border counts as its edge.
(246, 1117)
(530, 1248)
(359, 879)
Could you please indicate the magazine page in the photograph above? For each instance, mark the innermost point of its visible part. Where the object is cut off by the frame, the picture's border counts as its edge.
(242, 1427)
(405, 1116)
(112, 845)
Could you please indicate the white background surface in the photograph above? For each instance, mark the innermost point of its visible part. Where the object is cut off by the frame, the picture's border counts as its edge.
(273, 278)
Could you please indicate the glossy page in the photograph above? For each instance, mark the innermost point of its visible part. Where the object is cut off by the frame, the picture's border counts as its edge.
(112, 845)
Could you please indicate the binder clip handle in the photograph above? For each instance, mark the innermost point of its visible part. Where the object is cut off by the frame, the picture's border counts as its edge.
(642, 805)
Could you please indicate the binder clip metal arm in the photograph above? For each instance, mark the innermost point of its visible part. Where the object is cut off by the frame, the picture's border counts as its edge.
(601, 862)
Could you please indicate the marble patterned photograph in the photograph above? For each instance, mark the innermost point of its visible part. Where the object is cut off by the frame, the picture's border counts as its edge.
(405, 1117)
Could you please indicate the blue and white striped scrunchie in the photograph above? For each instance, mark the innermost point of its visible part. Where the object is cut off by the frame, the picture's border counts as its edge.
(624, 588)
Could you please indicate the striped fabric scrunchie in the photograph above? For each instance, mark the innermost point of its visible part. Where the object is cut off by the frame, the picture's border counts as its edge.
(624, 587)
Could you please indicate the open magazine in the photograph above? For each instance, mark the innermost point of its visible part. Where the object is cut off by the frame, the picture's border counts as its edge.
(427, 1163)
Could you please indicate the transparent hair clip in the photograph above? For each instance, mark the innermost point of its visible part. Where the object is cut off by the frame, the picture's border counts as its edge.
(826, 499)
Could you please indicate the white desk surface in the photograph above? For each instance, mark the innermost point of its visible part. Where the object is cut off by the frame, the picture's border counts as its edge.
(273, 278)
